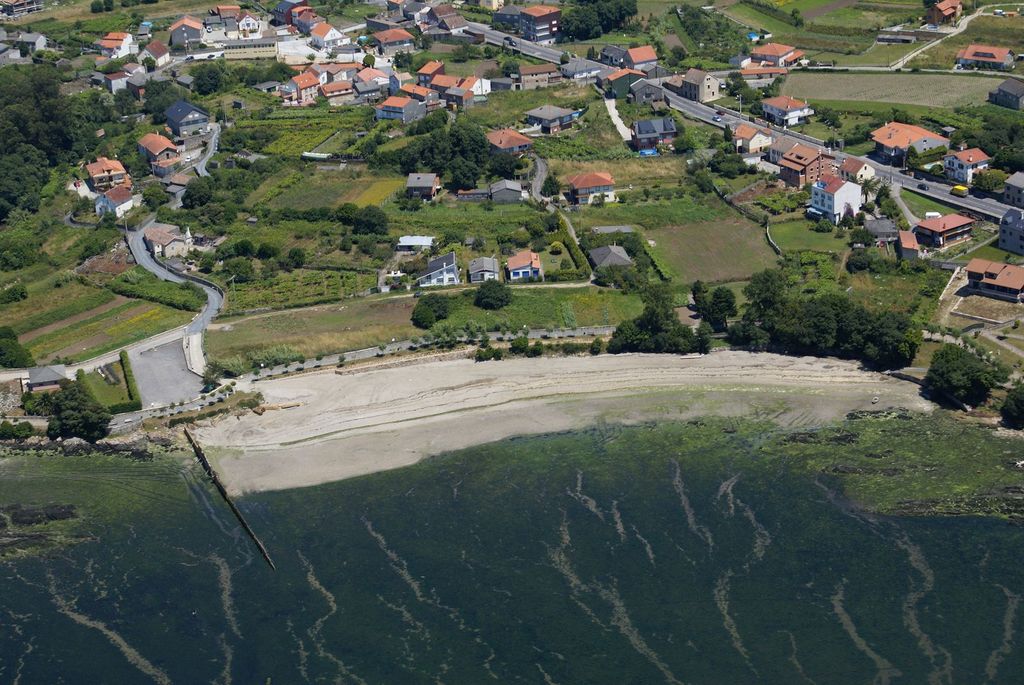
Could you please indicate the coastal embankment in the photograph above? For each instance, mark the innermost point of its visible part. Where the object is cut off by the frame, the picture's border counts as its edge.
(353, 424)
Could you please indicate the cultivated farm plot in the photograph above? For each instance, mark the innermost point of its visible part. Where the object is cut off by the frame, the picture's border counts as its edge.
(107, 331)
(935, 90)
(314, 188)
(295, 289)
(666, 170)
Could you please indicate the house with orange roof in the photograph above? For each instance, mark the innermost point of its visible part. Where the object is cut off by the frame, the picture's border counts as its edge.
(187, 31)
(157, 51)
(750, 139)
(428, 71)
(908, 246)
(442, 82)
(305, 19)
(338, 92)
(803, 164)
(944, 12)
(106, 173)
(118, 201)
(431, 99)
(323, 36)
(371, 75)
(115, 44)
(540, 23)
(584, 189)
(399, 108)
(833, 198)
(894, 139)
(640, 57)
(853, 169)
(160, 152)
(783, 110)
(775, 55)
(996, 279)
(944, 231)
(962, 165)
(525, 266)
(617, 83)
(300, 89)
(986, 57)
(509, 141)
(392, 41)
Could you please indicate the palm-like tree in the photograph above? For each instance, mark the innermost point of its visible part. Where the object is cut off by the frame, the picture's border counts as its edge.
(869, 187)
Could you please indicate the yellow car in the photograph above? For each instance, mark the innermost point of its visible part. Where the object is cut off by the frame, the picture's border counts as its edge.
(959, 191)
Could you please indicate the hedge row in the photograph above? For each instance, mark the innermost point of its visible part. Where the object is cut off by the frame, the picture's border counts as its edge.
(134, 402)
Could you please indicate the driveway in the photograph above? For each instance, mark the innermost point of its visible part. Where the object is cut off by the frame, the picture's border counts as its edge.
(613, 112)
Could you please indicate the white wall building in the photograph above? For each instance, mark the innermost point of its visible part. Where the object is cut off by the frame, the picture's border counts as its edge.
(833, 198)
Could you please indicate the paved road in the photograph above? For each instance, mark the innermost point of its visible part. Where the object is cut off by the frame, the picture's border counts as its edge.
(992, 209)
(540, 173)
(163, 376)
(613, 112)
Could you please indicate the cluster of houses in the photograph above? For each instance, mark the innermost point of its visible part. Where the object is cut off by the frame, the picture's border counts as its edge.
(17, 47)
(444, 270)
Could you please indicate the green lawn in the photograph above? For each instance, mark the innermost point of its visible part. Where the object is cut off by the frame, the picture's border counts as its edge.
(536, 307)
(108, 392)
(796, 236)
(992, 253)
(920, 205)
(692, 239)
(506, 108)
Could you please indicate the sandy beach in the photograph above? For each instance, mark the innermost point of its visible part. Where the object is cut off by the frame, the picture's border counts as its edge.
(359, 423)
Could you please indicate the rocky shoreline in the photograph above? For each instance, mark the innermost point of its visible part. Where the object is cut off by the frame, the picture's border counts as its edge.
(136, 446)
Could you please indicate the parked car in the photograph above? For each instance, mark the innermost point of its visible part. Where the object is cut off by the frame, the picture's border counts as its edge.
(716, 118)
(922, 186)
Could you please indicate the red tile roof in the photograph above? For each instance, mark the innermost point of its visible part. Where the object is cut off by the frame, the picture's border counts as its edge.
(852, 166)
(189, 21)
(772, 50)
(644, 53)
(944, 224)
(591, 180)
(970, 156)
(305, 80)
(393, 36)
(832, 183)
(984, 53)
(997, 273)
(445, 81)
(899, 135)
(616, 75)
(102, 166)
(507, 138)
(395, 101)
(157, 49)
(321, 30)
(154, 143)
(908, 241)
(533, 69)
(539, 11)
(524, 259)
(421, 91)
(431, 67)
(336, 88)
(785, 103)
(119, 195)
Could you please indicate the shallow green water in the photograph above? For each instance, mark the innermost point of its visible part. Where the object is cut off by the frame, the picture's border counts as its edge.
(713, 553)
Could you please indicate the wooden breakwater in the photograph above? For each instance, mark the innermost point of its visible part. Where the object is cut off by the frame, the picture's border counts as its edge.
(208, 467)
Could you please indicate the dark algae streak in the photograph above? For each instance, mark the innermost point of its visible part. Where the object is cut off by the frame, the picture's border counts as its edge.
(713, 551)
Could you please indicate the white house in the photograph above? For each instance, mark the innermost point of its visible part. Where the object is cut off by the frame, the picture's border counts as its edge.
(833, 198)
(166, 240)
(962, 165)
(786, 111)
(116, 44)
(118, 201)
(853, 169)
(323, 36)
(443, 270)
(415, 243)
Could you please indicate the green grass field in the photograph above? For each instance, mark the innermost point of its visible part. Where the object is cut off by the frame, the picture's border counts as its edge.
(47, 305)
(923, 90)
(919, 204)
(108, 393)
(309, 188)
(538, 307)
(506, 108)
(796, 236)
(692, 240)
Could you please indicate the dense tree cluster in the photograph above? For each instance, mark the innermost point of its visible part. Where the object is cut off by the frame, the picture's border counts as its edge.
(493, 295)
(12, 354)
(459, 153)
(40, 129)
(829, 323)
(74, 413)
(657, 329)
(430, 309)
(959, 373)
(713, 306)
(592, 18)
(1013, 407)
